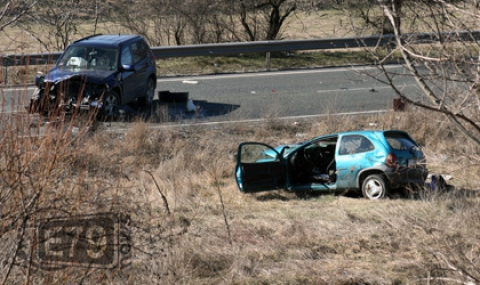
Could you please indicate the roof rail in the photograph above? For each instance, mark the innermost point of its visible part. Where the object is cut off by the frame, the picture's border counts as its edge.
(87, 37)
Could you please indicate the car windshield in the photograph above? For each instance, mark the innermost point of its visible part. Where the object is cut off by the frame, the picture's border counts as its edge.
(89, 58)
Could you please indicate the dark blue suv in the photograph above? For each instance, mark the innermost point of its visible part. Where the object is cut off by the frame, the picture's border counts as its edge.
(98, 72)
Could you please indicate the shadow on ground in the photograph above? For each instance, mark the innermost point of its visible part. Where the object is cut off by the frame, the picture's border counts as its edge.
(269, 196)
(174, 111)
(159, 111)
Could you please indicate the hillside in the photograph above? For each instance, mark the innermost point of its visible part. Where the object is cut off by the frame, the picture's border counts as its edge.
(186, 222)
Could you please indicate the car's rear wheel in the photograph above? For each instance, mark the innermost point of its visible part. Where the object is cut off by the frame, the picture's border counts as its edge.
(374, 187)
(110, 103)
(149, 93)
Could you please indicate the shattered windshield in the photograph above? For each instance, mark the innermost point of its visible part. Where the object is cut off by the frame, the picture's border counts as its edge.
(87, 58)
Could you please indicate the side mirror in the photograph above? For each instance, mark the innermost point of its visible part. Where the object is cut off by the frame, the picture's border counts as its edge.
(128, 67)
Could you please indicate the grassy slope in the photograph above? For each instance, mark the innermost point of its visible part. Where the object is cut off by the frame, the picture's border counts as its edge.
(216, 235)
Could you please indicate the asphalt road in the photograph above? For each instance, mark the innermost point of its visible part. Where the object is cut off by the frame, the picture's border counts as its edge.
(266, 94)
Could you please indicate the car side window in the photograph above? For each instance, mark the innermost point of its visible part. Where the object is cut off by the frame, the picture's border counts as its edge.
(138, 52)
(126, 57)
(355, 144)
(258, 153)
(143, 49)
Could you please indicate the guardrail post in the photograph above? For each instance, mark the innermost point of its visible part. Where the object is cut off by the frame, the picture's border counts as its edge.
(5, 73)
(267, 61)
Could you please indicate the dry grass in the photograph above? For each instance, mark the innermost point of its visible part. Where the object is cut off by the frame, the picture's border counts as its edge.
(189, 224)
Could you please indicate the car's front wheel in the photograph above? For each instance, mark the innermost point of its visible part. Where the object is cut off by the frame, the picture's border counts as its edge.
(374, 187)
(149, 93)
(110, 103)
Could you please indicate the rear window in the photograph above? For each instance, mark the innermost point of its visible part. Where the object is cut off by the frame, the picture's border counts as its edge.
(399, 141)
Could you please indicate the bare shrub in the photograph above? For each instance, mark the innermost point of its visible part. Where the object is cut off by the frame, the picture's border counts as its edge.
(444, 72)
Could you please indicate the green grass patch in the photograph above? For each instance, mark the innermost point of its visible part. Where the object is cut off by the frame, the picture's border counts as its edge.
(257, 62)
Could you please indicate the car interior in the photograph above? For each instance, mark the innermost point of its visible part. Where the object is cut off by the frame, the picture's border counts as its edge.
(314, 163)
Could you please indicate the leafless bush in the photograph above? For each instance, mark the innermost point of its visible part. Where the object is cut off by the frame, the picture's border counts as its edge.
(60, 168)
(445, 72)
(60, 22)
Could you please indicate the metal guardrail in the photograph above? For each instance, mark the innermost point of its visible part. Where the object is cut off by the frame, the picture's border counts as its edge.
(313, 44)
(262, 46)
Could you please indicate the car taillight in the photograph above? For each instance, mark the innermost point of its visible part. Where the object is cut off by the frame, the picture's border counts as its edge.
(391, 160)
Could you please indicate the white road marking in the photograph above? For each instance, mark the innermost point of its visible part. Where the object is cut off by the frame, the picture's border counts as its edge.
(353, 89)
(16, 89)
(170, 125)
(271, 73)
(374, 89)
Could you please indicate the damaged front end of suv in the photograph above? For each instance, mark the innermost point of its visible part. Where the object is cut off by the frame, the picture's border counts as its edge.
(69, 94)
(84, 78)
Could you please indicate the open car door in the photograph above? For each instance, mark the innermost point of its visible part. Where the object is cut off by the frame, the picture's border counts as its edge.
(259, 168)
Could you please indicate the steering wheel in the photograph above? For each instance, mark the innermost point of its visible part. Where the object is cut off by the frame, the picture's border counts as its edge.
(313, 155)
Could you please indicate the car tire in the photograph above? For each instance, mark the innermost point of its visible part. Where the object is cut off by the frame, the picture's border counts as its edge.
(147, 100)
(110, 104)
(374, 187)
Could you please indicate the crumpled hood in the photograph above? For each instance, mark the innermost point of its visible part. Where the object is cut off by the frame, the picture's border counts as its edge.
(94, 76)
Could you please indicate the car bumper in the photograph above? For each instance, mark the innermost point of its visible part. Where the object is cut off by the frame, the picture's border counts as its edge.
(71, 108)
(407, 176)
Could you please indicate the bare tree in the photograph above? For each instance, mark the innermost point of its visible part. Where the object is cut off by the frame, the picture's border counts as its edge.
(140, 18)
(264, 19)
(374, 19)
(175, 22)
(54, 24)
(12, 11)
(447, 72)
(206, 21)
(212, 21)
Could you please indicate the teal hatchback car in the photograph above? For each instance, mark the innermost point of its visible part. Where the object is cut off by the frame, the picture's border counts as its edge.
(373, 162)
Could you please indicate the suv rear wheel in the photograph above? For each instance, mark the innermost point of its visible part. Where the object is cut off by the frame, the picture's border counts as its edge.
(149, 93)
